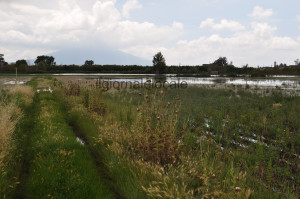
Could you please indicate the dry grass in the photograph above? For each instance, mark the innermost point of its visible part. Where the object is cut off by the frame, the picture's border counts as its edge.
(9, 116)
(26, 92)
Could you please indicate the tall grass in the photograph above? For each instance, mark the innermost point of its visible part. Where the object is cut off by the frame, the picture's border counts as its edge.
(9, 116)
(12, 103)
(153, 134)
(212, 147)
(26, 93)
(10, 113)
(201, 148)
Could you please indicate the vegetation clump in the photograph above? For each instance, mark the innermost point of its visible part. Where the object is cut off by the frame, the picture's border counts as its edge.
(154, 132)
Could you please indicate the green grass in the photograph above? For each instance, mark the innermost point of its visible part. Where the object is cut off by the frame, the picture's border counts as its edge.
(61, 167)
(215, 130)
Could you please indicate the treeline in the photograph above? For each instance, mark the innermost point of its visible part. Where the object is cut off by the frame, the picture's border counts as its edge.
(47, 64)
(204, 70)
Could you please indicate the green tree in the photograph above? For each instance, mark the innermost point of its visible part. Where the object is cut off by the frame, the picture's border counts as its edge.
(45, 60)
(2, 61)
(221, 61)
(159, 63)
(1, 58)
(21, 62)
(89, 63)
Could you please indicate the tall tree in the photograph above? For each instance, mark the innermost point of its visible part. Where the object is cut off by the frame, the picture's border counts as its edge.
(21, 62)
(2, 61)
(159, 63)
(89, 63)
(45, 60)
(221, 61)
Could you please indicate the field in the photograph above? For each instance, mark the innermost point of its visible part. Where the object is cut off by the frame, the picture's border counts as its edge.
(61, 137)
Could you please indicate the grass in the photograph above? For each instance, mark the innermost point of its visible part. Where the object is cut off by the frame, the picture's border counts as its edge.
(12, 105)
(223, 118)
(61, 166)
(189, 143)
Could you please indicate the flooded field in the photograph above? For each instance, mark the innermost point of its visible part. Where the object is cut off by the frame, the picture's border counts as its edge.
(218, 134)
(8, 81)
(285, 82)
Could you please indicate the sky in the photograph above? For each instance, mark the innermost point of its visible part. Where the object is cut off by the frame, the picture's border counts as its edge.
(187, 32)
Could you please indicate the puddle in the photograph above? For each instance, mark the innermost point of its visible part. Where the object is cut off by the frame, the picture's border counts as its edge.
(80, 141)
(44, 90)
(263, 82)
(14, 82)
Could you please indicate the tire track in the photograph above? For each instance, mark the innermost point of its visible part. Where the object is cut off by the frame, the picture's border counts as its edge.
(95, 153)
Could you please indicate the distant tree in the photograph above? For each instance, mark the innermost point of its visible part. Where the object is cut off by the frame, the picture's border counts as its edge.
(159, 63)
(297, 62)
(45, 60)
(1, 58)
(2, 61)
(221, 61)
(21, 62)
(89, 63)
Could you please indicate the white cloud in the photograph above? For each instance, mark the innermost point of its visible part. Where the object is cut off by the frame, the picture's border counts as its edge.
(263, 29)
(259, 45)
(30, 30)
(135, 33)
(13, 53)
(130, 5)
(260, 13)
(70, 25)
(223, 25)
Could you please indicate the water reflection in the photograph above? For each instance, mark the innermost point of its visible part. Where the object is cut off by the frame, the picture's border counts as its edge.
(293, 83)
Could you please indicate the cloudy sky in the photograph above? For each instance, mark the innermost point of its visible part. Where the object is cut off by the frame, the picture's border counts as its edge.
(254, 32)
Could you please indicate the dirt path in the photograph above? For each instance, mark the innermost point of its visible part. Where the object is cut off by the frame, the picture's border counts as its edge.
(53, 164)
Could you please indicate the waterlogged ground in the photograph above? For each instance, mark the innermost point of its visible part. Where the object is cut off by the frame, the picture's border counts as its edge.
(227, 138)
(8, 81)
(287, 84)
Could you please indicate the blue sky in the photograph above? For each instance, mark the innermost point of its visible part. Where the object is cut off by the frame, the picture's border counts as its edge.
(255, 32)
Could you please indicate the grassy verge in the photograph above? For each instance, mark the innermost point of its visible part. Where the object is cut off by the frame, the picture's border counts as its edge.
(13, 104)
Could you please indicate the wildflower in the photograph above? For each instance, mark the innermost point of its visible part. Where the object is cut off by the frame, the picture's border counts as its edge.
(176, 112)
(137, 109)
(158, 118)
(140, 94)
(161, 92)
